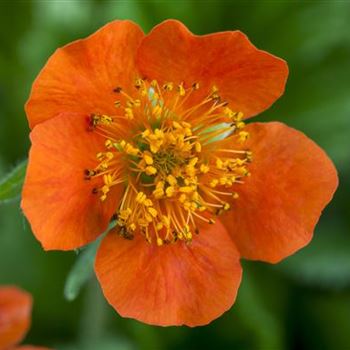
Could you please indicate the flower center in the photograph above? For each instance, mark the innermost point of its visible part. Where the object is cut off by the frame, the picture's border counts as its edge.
(167, 146)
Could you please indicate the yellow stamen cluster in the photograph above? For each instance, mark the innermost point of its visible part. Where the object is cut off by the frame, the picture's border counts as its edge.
(176, 168)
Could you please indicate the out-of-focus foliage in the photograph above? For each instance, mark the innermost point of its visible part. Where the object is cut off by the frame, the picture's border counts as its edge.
(82, 271)
(302, 303)
(11, 183)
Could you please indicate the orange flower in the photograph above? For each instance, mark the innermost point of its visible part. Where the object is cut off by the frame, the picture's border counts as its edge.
(15, 315)
(130, 127)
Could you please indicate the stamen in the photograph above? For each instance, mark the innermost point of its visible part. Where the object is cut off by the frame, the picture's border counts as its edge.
(175, 170)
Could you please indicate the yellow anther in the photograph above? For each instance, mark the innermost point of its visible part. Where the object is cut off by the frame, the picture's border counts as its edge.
(105, 119)
(181, 90)
(171, 180)
(170, 191)
(214, 93)
(160, 184)
(152, 211)
(129, 113)
(105, 189)
(122, 143)
(193, 161)
(155, 146)
(190, 170)
(132, 227)
(177, 125)
(157, 111)
(243, 136)
(137, 103)
(168, 86)
(103, 166)
(124, 214)
(242, 171)
(150, 170)
(239, 116)
(213, 183)
(158, 134)
(139, 83)
(159, 242)
(109, 155)
(133, 103)
(186, 189)
(158, 193)
(159, 226)
(166, 221)
(219, 164)
(223, 180)
(148, 217)
(204, 168)
(182, 198)
(195, 196)
(226, 206)
(240, 125)
(198, 147)
(145, 133)
(147, 156)
(195, 86)
(140, 197)
(191, 181)
(109, 143)
(229, 113)
(129, 149)
(187, 205)
(147, 202)
(107, 179)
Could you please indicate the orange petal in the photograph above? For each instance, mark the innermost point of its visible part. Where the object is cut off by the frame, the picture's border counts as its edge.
(81, 76)
(173, 284)
(292, 180)
(250, 79)
(58, 202)
(15, 315)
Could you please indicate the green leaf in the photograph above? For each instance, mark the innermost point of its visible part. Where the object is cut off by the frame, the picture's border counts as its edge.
(83, 268)
(11, 184)
(81, 271)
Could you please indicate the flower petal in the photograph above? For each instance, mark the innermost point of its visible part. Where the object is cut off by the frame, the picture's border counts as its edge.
(81, 76)
(15, 315)
(291, 182)
(250, 79)
(57, 200)
(173, 284)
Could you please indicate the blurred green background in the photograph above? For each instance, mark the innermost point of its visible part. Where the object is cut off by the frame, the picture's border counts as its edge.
(302, 303)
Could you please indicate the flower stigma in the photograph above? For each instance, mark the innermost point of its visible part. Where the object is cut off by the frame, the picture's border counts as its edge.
(170, 146)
